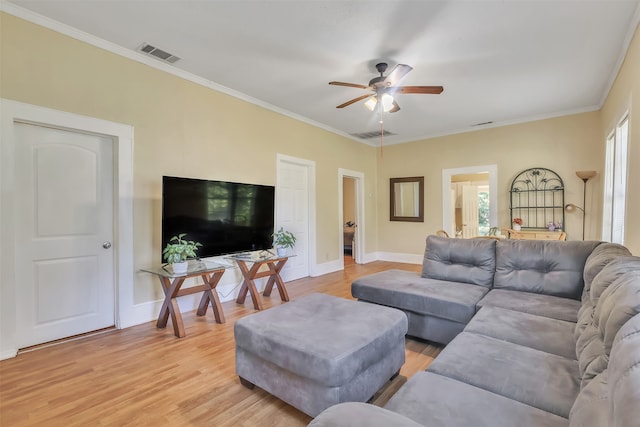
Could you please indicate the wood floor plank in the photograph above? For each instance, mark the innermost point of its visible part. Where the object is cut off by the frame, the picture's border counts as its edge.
(143, 375)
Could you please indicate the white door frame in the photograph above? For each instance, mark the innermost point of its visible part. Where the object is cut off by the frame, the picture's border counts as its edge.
(358, 177)
(12, 112)
(492, 170)
(310, 166)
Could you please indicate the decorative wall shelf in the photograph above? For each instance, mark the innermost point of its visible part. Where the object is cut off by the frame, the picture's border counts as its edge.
(537, 196)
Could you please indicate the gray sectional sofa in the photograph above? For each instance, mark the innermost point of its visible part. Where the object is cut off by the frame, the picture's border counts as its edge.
(538, 333)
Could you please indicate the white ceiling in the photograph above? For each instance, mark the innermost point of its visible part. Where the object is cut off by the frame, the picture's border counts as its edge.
(499, 61)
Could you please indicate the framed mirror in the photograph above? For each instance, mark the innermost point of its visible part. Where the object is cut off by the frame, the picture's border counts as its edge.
(407, 199)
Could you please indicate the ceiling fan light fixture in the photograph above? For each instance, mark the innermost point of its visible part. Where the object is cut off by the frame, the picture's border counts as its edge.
(387, 102)
(371, 103)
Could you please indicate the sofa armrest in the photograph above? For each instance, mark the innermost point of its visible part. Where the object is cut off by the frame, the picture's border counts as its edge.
(355, 414)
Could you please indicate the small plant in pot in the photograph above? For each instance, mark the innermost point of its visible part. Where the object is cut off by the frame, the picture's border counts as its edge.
(283, 240)
(176, 253)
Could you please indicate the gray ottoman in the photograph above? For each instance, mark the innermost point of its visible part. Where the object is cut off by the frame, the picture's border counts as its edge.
(320, 350)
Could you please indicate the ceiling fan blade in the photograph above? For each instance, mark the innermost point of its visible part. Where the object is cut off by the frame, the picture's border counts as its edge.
(360, 98)
(418, 89)
(394, 108)
(398, 72)
(349, 85)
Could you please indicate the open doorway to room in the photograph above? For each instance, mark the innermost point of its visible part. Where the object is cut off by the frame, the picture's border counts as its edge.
(470, 193)
(349, 218)
(469, 201)
(351, 214)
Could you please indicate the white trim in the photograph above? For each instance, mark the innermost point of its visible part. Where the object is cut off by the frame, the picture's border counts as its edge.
(12, 111)
(398, 257)
(311, 177)
(493, 192)
(327, 267)
(360, 222)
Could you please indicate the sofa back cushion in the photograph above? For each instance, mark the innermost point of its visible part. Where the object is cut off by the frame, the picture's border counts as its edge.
(624, 375)
(607, 275)
(616, 306)
(542, 266)
(470, 261)
(602, 255)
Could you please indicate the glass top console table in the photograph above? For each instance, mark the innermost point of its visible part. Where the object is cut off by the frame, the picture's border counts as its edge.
(210, 272)
(274, 265)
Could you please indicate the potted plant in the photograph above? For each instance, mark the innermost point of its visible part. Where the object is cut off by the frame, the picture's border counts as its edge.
(283, 240)
(177, 253)
(517, 224)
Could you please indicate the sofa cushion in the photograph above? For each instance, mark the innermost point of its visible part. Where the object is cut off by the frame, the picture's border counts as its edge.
(607, 275)
(591, 408)
(602, 255)
(542, 333)
(460, 260)
(434, 400)
(538, 304)
(300, 337)
(624, 375)
(618, 303)
(542, 266)
(408, 291)
(542, 380)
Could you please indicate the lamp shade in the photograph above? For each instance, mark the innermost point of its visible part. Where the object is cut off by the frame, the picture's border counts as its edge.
(586, 175)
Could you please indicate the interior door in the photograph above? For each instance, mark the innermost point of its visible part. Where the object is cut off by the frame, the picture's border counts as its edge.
(64, 232)
(469, 211)
(292, 213)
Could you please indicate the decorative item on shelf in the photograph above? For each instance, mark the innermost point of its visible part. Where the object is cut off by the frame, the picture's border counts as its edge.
(177, 253)
(551, 226)
(517, 224)
(283, 240)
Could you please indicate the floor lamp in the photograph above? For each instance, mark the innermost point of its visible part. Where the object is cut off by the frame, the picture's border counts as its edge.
(570, 207)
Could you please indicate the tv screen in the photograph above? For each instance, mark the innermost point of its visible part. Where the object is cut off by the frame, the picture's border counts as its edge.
(225, 217)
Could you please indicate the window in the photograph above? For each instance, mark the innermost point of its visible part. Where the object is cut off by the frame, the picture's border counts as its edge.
(615, 182)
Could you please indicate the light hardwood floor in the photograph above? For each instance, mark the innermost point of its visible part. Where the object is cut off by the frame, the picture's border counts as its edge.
(146, 376)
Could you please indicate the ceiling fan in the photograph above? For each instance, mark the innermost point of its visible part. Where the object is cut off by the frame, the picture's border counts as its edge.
(385, 88)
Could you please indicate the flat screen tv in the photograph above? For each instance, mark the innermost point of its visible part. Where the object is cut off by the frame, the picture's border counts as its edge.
(226, 217)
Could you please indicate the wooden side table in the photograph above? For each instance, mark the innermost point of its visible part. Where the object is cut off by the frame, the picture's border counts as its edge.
(211, 273)
(274, 266)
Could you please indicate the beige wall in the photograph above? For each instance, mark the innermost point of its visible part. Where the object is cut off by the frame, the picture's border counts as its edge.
(564, 145)
(181, 129)
(626, 91)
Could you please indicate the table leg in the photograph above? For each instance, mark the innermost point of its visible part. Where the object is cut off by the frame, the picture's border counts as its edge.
(210, 295)
(249, 285)
(170, 306)
(276, 279)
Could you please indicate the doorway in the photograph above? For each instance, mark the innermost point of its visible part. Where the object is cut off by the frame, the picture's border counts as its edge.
(351, 215)
(469, 200)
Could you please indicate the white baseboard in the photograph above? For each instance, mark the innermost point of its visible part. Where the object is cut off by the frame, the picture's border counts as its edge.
(8, 354)
(399, 257)
(326, 268)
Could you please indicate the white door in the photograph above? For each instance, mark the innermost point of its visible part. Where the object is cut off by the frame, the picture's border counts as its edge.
(292, 213)
(64, 217)
(469, 211)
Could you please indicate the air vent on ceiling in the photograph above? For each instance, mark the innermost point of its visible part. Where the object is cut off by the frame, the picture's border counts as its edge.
(372, 134)
(482, 124)
(158, 53)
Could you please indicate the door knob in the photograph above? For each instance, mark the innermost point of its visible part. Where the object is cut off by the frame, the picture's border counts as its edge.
(106, 245)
